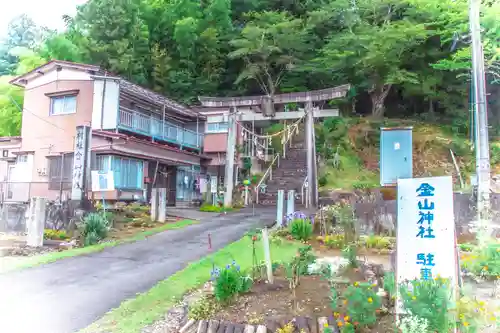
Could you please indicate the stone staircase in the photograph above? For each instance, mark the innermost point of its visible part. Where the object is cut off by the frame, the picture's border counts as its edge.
(289, 175)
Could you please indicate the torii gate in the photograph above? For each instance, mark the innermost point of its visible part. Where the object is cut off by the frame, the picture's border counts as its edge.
(268, 112)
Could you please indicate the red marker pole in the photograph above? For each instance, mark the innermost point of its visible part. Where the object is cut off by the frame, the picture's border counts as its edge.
(210, 249)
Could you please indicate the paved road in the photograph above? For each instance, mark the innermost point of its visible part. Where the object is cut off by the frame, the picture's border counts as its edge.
(70, 294)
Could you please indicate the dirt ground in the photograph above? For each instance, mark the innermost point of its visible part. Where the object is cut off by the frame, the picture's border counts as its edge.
(130, 229)
(267, 303)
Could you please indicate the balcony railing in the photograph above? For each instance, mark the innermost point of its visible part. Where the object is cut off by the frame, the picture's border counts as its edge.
(140, 123)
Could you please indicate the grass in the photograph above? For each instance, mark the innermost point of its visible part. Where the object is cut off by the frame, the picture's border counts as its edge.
(55, 256)
(146, 308)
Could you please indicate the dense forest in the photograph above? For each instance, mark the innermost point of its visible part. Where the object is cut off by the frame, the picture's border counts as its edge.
(403, 58)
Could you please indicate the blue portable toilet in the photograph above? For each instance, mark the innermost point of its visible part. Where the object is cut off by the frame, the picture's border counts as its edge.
(396, 154)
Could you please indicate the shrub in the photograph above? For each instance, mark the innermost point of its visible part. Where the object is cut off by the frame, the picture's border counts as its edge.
(377, 242)
(229, 282)
(429, 300)
(214, 209)
(413, 324)
(486, 263)
(301, 229)
(94, 228)
(466, 247)
(350, 253)
(475, 315)
(362, 303)
(55, 234)
(204, 308)
(334, 241)
(298, 267)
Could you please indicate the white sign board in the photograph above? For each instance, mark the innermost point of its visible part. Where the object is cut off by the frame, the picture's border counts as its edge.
(102, 181)
(203, 185)
(425, 230)
(213, 184)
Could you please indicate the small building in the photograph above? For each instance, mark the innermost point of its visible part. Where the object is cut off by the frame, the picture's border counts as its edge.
(145, 138)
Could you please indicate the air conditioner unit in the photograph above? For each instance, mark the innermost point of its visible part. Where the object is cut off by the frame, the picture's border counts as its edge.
(41, 172)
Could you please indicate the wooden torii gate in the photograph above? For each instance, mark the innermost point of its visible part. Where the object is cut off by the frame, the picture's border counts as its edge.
(265, 104)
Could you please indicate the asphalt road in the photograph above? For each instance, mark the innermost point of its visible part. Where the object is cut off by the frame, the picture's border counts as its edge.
(68, 295)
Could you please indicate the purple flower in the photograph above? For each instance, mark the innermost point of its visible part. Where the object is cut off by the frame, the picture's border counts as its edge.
(228, 266)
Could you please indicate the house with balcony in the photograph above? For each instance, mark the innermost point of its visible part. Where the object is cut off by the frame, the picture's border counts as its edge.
(146, 139)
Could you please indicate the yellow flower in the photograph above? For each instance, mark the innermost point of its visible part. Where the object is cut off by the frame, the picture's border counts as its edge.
(346, 318)
(466, 324)
(492, 318)
(356, 284)
(336, 314)
(413, 298)
(370, 300)
(485, 268)
(339, 324)
(325, 325)
(345, 302)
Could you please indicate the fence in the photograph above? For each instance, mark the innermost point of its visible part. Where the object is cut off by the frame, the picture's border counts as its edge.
(13, 192)
(14, 203)
(374, 214)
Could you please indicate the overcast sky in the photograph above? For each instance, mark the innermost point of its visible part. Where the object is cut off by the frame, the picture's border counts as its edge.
(44, 12)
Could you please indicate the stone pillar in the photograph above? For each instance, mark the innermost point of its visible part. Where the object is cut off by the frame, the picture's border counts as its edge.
(35, 222)
(154, 204)
(311, 155)
(279, 207)
(290, 203)
(230, 154)
(162, 204)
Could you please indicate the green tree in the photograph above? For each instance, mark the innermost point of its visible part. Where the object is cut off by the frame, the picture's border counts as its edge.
(21, 32)
(117, 37)
(11, 100)
(270, 45)
(374, 42)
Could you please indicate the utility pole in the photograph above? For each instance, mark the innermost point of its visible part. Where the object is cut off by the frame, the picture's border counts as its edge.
(481, 124)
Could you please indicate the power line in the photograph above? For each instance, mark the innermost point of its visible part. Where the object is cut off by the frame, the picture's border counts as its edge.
(26, 109)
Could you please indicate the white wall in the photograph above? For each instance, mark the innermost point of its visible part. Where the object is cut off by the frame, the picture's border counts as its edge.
(54, 75)
(111, 104)
(23, 172)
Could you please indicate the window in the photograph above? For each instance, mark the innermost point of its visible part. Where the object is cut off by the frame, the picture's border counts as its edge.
(221, 127)
(56, 177)
(128, 173)
(62, 105)
(5, 153)
(22, 159)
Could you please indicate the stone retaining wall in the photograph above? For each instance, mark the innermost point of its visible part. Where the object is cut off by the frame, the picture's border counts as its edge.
(372, 210)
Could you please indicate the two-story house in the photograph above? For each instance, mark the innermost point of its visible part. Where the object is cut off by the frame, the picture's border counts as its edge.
(145, 138)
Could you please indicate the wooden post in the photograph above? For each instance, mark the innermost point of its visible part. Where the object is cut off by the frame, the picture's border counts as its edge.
(267, 255)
